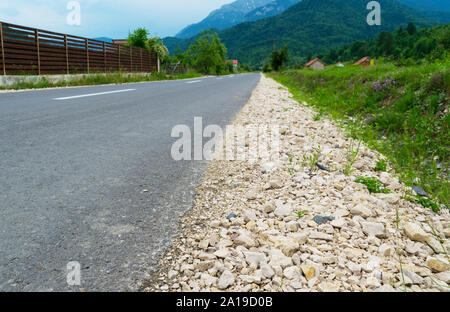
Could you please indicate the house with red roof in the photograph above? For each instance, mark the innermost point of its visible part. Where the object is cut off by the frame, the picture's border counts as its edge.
(316, 64)
(365, 61)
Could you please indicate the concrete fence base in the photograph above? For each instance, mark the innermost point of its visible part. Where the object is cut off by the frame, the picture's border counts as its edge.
(6, 81)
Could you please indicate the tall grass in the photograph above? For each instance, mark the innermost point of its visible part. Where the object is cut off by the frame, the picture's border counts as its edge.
(403, 112)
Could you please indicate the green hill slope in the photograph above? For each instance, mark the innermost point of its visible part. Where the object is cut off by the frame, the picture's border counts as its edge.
(312, 26)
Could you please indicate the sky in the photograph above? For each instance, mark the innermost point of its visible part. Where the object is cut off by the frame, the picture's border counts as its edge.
(109, 18)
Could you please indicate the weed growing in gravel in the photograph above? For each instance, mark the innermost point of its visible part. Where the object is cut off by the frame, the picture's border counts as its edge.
(352, 156)
(381, 166)
(312, 160)
(445, 252)
(397, 219)
(373, 185)
(439, 240)
(401, 269)
(291, 163)
(301, 214)
(317, 117)
(425, 202)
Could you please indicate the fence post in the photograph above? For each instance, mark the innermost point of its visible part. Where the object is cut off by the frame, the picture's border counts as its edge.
(87, 55)
(3, 49)
(67, 54)
(150, 61)
(131, 59)
(104, 55)
(36, 35)
(118, 47)
(141, 60)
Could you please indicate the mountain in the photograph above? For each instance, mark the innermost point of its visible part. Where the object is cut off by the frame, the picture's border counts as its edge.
(270, 9)
(309, 27)
(313, 26)
(443, 5)
(234, 13)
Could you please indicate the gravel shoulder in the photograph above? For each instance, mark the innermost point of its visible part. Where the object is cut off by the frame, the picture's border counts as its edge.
(291, 226)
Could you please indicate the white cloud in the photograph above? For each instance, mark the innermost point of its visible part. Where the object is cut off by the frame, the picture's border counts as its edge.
(112, 18)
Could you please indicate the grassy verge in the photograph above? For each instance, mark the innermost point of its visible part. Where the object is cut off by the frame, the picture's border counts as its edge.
(99, 79)
(403, 112)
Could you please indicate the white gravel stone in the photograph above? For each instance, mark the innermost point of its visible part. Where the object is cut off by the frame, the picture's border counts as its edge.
(255, 258)
(226, 280)
(361, 210)
(292, 272)
(321, 236)
(282, 211)
(415, 232)
(373, 229)
(278, 258)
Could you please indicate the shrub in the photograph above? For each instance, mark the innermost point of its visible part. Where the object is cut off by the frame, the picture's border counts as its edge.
(436, 82)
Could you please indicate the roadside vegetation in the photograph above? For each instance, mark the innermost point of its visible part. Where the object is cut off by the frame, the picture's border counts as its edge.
(97, 79)
(403, 47)
(399, 107)
(207, 55)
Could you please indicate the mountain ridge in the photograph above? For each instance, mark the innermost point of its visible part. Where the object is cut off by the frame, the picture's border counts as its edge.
(234, 13)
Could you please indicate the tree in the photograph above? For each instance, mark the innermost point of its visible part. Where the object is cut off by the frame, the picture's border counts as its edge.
(208, 54)
(138, 38)
(411, 29)
(158, 46)
(424, 47)
(279, 58)
(385, 43)
(445, 39)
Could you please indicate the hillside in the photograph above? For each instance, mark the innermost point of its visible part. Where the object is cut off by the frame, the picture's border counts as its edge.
(312, 26)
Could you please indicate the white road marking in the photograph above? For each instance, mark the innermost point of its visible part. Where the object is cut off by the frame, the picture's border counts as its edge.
(92, 94)
(195, 81)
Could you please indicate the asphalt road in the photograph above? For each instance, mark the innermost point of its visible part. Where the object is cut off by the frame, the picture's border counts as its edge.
(74, 167)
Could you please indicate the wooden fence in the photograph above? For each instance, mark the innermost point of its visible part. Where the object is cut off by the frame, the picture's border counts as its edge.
(27, 50)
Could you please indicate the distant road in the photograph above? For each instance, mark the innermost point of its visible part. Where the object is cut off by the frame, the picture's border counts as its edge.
(87, 176)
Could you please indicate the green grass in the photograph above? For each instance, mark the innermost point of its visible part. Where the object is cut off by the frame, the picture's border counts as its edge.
(98, 79)
(407, 121)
